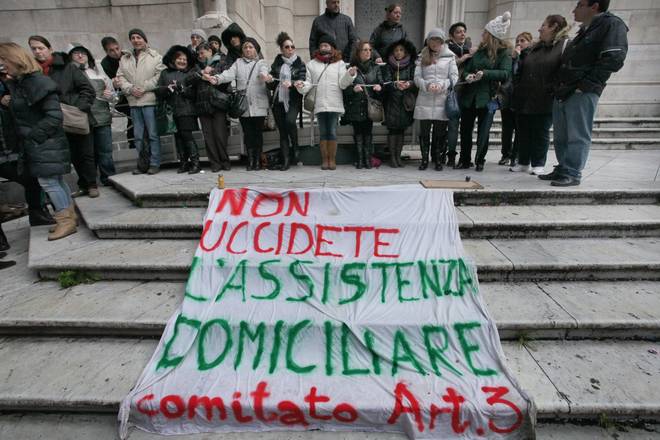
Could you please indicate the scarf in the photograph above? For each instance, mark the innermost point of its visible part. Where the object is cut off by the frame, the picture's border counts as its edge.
(400, 64)
(285, 75)
(324, 58)
(45, 66)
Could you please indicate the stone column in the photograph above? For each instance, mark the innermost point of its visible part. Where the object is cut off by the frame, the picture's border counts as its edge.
(210, 14)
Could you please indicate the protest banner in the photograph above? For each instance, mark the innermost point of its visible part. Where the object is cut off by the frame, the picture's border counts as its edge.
(337, 309)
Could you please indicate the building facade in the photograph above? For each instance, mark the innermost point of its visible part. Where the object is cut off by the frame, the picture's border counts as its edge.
(635, 91)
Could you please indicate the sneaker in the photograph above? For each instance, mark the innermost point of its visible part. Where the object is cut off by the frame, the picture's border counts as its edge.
(153, 170)
(537, 171)
(93, 192)
(519, 168)
(79, 193)
(565, 181)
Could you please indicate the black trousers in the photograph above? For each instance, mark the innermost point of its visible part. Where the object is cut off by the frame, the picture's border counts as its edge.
(286, 123)
(508, 127)
(533, 137)
(433, 137)
(253, 133)
(9, 171)
(82, 158)
(216, 134)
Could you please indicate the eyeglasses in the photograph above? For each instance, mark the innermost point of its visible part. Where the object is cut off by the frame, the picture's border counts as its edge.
(289, 46)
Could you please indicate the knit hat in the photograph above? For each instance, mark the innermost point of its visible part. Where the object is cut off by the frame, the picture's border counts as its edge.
(325, 38)
(215, 38)
(199, 33)
(75, 45)
(254, 43)
(499, 26)
(436, 33)
(140, 32)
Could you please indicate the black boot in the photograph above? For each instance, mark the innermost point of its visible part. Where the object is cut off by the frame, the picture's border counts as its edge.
(359, 147)
(398, 145)
(181, 152)
(195, 167)
(451, 160)
(6, 264)
(4, 243)
(391, 146)
(250, 160)
(368, 150)
(284, 153)
(440, 150)
(293, 152)
(40, 217)
(183, 167)
(424, 147)
(257, 160)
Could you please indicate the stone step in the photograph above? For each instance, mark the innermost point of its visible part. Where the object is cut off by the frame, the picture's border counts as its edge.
(496, 260)
(114, 216)
(82, 426)
(567, 379)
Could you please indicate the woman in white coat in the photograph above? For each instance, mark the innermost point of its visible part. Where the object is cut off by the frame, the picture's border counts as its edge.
(328, 74)
(434, 75)
(251, 74)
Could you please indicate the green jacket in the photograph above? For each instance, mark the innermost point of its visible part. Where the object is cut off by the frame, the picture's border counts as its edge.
(479, 93)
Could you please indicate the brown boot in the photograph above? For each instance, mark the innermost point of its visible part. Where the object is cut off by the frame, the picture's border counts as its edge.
(332, 154)
(75, 218)
(66, 224)
(323, 146)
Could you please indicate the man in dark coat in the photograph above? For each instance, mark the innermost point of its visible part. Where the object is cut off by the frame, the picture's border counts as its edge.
(73, 89)
(333, 23)
(110, 64)
(598, 50)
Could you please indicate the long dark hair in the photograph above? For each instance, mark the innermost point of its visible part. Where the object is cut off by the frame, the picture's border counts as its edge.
(357, 48)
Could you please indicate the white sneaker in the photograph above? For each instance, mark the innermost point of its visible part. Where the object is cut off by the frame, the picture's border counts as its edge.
(519, 168)
(537, 171)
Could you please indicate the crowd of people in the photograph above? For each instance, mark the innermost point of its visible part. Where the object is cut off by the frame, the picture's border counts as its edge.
(57, 106)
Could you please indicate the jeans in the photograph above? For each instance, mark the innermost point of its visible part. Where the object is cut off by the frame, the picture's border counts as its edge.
(82, 158)
(485, 118)
(146, 117)
(58, 191)
(452, 136)
(103, 152)
(533, 138)
(216, 134)
(328, 125)
(9, 171)
(573, 120)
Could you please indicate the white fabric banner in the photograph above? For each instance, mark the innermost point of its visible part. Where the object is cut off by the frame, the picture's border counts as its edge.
(337, 309)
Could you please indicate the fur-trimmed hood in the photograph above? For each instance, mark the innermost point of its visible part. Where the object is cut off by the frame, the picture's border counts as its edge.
(407, 44)
(168, 59)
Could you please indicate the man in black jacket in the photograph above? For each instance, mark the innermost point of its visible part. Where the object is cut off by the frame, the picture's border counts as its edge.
(73, 89)
(598, 50)
(333, 23)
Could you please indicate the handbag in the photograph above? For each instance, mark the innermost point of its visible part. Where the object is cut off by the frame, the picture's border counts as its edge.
(452, 108)
(374, 108)
(239, 103)
(165, 119)
(75, 121)
(409, 100)
(310, 97)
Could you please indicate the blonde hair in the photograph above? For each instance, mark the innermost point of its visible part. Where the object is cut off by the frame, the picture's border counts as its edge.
(19, 57)
(426, 56)
(526, 36)
(493, 45)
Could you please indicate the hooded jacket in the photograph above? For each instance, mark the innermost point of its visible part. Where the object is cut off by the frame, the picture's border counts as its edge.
(593, 56)
(35, 105)
(233, 53)
(182, 99)
(384, 35)
(72, 85)
(396, 115)
(143, 72)
(442, 71)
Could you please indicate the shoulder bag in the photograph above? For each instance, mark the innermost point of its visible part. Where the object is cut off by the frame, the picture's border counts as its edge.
(310, 97)
(75, 121)
(239, 103)
(452, 108)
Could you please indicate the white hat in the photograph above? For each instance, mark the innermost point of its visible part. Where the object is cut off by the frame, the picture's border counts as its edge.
(500, 25)
(436, 33)
(199, 33)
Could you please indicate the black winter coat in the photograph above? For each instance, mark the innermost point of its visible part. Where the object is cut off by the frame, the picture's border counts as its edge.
(534, 76)
(396, 116)
(182, 99)
(339, 26)
(355, 103)
(594, 54)
(298, 73)
(233, 30)
(385, 34)
(73, 86)
(8, 138)
(35, 105)
(205, 95)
